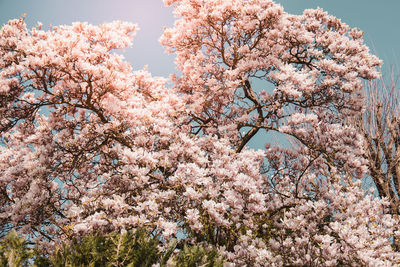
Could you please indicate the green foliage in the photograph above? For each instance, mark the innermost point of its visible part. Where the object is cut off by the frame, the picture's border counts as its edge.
(128, 249)
(193, 256)
(131, 249)
(13, 251)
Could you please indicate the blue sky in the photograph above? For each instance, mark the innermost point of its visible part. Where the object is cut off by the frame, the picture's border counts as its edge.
(378, 19)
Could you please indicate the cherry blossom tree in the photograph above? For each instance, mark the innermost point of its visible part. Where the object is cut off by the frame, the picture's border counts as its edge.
(89, 145)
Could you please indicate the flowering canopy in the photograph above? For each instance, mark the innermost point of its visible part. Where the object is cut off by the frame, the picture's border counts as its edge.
(88, 144)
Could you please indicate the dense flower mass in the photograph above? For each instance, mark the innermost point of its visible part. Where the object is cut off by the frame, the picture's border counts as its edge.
(89, 145)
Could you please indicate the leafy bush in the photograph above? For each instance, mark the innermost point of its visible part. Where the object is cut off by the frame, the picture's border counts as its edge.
(131, 249)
